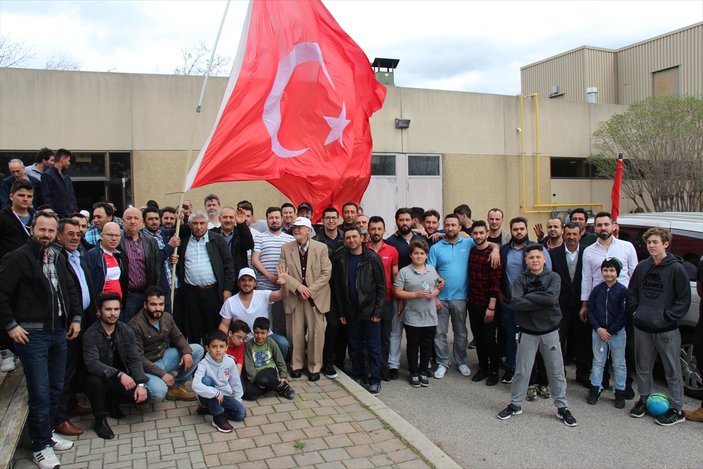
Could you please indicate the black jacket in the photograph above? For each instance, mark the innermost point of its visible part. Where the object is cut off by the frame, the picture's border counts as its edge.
(6, 187)
(370, 286)
(97, 269)
(28, 299)
(12, 234)
(97, 354)
(570, 295)
(58, 192)
(89, 313)
(220, 259)
(242, 241)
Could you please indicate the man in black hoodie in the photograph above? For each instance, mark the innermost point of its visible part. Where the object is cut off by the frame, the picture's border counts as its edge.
(660, 295)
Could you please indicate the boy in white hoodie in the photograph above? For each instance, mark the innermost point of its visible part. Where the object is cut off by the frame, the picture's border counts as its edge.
(217, 383)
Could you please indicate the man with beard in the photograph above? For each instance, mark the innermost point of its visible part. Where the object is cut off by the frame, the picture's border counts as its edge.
(580, 217)
(430, 223)
(362, 222)
(309, 270)
(400, 240)
(168, 218)
(555, 233)
(606, 247)
(238, 236)
(212, 207)
(114, 369)
(331, 235)
(389, 259)
(359, 293)
(206, 273)
(265, 258)
(82, 220)
(163, 350)
(102, 213)
(249, 304)
(57, 187)
(349, 213)
(496, 234)
(450, 257)
(40, 310)
(513, 262)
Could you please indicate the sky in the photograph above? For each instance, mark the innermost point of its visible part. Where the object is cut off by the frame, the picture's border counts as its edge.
(462, 45)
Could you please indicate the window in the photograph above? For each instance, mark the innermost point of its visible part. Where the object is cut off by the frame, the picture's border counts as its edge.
(383, 165)
(571, 168)
(666, 82)
(421, 165)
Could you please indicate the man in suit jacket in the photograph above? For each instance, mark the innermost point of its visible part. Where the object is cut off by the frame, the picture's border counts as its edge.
(238, 236)
(573, 333)
(309, 270)
(206, 273)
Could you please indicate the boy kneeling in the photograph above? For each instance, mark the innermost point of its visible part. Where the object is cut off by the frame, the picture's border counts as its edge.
(264, 364)
(535, 296)
(217, 383)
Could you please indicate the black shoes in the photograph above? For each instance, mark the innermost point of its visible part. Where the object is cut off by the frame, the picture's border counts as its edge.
(285, 390)
(480, 375)
(509, 412)
(102, 429)
(640, 408)
(330, 372)
(564, 414)
(375, 388)
(492, 379)
(393, 373)
(507, 376)
(385, 376)
(671, 417)
(594, 395)
(313, 376)
(296, 374)
(620, 399)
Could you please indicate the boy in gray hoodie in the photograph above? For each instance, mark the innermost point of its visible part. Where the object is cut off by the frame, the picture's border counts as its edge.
(660, 295)
(535, 299)
(217, 383)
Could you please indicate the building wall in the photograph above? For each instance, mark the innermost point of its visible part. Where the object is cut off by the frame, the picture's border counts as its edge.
(484, 139)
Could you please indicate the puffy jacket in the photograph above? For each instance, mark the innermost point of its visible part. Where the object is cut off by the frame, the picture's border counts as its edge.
(607, 307)
(28, 299)
(370, 286)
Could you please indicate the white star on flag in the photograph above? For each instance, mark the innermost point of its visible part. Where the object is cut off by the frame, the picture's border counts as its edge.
(337, 125)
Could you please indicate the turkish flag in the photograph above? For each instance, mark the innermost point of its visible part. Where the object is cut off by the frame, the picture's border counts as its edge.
(615, 193)
(296, 110)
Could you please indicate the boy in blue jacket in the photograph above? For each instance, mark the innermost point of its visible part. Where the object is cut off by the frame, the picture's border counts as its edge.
(607, 315)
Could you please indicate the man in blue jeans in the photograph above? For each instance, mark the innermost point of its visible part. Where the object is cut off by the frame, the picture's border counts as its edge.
(40, 309)
(164, 350)
(359, 286)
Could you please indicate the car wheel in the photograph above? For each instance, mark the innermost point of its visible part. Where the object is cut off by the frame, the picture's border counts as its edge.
(692, 376)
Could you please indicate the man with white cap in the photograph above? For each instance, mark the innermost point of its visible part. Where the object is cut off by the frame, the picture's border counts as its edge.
(249, 304)
(309, 270)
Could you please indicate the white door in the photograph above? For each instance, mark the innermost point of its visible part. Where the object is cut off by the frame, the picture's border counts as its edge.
(402, 180)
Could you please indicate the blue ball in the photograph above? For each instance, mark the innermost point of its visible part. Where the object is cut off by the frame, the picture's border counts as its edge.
(657, 404)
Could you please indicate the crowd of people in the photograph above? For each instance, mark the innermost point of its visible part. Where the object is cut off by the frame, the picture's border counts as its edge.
(133, 309)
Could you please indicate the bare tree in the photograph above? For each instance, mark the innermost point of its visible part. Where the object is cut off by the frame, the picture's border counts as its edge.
(62, 61)
(14, 53)
(195, 62)
(662, 142)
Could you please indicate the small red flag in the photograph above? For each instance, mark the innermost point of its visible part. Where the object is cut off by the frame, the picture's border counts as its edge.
(296, 110)
(615, 193)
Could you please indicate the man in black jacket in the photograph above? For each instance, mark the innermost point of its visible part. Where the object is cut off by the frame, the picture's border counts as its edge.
(57, 186)
(39, 309)
(206, 273)
(359, 287)
(114, 369)
(238, 236)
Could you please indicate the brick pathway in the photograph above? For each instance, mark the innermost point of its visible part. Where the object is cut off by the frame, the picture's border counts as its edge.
(325, 426)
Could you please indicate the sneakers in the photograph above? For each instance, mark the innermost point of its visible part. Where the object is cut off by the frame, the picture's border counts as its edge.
(393, 374)
(507, 376)
(180, 393)
(509, 412)
(440, 372)
(8, 361)
(464, 369)
(694, 415)
(415, 381)
(640, 408)
(531, 393)
(330, 372)
(221, 424)
(594, 395)
(544, 392)
(60, 444)
(424, 380)
(620, 399)
(564, 414)
(375, 388)
(671, 417)
(46, 459)
(285, 390)
(492, 379)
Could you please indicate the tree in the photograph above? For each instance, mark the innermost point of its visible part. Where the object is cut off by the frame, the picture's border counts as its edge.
(13, 53)
(195, 62)
(62, 62)
(662, 142)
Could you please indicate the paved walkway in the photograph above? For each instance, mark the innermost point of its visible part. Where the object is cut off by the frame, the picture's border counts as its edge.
(329, 424)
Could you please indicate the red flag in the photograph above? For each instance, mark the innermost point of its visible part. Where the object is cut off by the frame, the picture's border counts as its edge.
(615, 193)
(296, 110)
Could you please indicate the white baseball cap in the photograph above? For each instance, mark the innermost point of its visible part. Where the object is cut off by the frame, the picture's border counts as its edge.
(247, 271)
(302, 221)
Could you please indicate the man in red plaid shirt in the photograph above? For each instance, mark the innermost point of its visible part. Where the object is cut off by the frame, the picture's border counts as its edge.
(484, 284)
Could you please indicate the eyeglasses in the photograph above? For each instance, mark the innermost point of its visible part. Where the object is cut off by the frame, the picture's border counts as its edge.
(329, 218)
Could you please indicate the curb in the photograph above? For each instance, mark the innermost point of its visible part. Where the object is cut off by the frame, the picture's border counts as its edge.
(408, 433)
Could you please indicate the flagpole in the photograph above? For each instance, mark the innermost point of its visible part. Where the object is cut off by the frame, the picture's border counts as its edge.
(190, 145)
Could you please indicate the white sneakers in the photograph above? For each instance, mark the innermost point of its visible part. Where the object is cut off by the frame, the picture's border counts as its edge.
(440, 372)
(8, 361)
(46, 459)
(465, 370)
(60, 444)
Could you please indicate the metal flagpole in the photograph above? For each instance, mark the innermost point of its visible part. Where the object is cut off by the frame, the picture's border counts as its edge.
(190, 147)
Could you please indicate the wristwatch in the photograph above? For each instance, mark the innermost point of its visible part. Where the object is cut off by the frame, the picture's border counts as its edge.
(142, 385)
